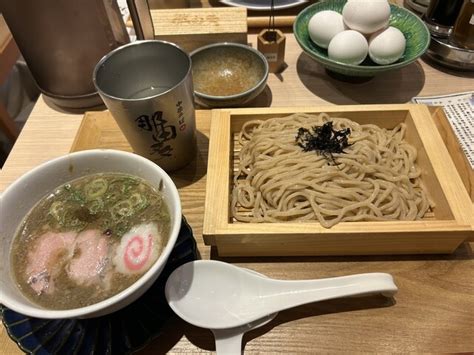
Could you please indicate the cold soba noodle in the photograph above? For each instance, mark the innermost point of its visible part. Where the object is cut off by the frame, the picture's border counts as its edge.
(373, 178)
(88, 240)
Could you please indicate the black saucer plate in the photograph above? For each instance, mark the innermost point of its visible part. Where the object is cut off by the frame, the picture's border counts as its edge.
(122, 332)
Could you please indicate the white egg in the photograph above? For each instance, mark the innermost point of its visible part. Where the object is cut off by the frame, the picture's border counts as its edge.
(366, 16)
(387, 46)
(323, 26)
(348, 47)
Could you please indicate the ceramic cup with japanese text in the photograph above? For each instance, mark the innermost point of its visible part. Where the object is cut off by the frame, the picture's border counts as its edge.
(148, 88)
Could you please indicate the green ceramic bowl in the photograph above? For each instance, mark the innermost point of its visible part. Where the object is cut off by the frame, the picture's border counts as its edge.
(415, 31)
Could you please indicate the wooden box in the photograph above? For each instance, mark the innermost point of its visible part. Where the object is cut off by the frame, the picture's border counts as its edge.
(441, 232)
(454, 148)
(194, 28)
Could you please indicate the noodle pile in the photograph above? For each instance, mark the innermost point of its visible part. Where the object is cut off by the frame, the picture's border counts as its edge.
(374, 179)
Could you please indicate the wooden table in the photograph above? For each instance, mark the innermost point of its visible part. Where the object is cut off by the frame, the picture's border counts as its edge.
(434, 309)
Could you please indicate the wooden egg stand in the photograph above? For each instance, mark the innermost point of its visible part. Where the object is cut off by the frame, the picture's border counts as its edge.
(271, 43)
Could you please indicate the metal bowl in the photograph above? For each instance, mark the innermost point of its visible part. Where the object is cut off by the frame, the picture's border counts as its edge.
(228, 74)
(447, 54)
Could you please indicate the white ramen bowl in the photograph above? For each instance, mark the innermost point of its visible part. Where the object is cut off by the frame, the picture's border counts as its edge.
(18, 199)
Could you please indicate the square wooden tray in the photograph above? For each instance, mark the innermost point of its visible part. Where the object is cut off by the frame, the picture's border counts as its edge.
(444, 230)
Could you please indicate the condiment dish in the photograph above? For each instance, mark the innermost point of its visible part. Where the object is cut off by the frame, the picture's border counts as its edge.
(228, 74)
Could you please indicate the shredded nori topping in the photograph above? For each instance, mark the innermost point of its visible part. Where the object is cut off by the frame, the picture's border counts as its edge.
(324, 140)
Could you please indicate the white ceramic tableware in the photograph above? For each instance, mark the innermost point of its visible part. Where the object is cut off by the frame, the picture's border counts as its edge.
(216, 295)
(229, 341)
(17, 200)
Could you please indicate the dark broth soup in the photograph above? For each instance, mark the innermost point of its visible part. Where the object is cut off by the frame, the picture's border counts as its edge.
(89, 239)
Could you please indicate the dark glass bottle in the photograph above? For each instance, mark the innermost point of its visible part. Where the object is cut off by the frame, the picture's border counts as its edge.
(463, 31)
(441, 15)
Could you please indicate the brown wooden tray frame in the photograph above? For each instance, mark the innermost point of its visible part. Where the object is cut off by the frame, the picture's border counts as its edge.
(441, 233)
(99, 130)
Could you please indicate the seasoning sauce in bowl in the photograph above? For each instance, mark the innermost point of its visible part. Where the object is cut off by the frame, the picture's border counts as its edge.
(228, 74)
(226, 71)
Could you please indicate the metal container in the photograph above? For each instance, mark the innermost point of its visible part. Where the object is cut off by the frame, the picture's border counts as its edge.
(441, 15)
(447, 54)
(463, 30)
(61, 42)
(148, 88)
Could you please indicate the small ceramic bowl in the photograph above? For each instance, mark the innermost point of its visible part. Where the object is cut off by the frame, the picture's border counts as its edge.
(228, 74)
(18, 199)
(415, 31)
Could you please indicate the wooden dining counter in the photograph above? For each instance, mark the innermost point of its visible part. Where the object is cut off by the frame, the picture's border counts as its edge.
(434, 308)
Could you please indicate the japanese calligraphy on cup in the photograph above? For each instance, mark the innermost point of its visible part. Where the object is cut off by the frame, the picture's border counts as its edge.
(148, 88)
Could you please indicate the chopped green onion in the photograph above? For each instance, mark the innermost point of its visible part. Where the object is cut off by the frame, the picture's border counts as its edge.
(122, 209)
(96, 188)
(57, 210)
(96, 206)
(138, 201)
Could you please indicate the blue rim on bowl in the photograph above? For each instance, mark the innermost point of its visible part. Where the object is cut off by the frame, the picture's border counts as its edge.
(122, 332)
(413, 28)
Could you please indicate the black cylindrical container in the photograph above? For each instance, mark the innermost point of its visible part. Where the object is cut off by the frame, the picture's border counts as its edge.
(441, 16)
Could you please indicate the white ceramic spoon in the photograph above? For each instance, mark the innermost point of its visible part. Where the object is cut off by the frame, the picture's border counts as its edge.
(216, 295)
(229, 341)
